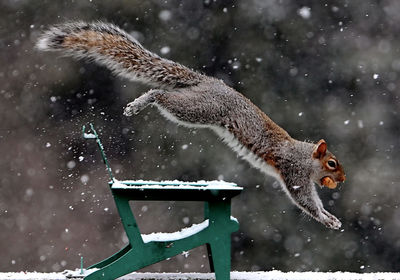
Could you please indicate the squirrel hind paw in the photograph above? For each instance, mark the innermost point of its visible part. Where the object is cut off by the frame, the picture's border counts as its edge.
(130, 110)
(137, 105)
(134, 108)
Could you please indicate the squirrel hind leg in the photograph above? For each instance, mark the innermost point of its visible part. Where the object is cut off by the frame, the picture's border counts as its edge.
(134, 107)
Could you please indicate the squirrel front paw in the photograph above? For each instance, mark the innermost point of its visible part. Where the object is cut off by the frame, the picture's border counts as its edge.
(329, 220)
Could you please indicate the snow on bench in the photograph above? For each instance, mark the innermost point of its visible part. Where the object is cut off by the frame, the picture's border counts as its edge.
(173, 236)
(270, 275)
(175, 184)
(177, 235)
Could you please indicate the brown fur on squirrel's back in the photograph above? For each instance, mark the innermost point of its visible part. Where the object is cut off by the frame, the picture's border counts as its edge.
(116, 49)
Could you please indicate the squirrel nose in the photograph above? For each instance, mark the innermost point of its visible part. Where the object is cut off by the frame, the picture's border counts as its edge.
(342, 178)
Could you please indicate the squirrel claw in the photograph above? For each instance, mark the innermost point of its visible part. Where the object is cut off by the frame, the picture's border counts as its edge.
(330, 221)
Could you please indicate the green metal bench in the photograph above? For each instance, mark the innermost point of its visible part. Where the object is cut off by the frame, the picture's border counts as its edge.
(143, 250)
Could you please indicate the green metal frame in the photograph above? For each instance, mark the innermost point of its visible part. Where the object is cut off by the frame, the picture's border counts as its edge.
(93, 135)
(138, 254)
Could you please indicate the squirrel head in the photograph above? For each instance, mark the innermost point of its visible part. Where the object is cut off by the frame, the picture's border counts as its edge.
(328, 171)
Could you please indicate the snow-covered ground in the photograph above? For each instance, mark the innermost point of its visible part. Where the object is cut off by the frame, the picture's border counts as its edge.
(271, 275)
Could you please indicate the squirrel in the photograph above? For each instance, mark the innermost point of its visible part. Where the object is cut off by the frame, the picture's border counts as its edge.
(192, 99)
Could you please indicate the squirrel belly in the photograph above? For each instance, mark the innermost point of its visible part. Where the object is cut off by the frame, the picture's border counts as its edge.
(237, 121)
(256, 161)
(192, 99)
(232, 141)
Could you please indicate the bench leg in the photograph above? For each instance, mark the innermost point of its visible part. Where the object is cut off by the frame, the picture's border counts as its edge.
(210, 259)
(123, 265)
(221, 257)
(111, 259)
(220, 244)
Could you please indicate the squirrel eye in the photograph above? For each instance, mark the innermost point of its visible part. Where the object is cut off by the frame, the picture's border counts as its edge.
(332, 163)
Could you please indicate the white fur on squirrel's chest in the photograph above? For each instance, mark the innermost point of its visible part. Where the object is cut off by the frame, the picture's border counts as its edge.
(245, 153)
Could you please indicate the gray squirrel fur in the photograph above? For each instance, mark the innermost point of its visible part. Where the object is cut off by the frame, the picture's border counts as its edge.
(192, 99)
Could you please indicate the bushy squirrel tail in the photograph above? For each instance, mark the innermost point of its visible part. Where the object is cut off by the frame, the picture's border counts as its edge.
(112, 47)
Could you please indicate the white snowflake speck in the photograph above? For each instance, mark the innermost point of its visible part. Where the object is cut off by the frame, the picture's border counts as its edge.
(71, 164)
(85, 179)
(304, 12)
(165, 50)
(165, 15)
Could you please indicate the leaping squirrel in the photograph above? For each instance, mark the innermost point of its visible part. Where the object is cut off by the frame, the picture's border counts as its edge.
(192, 99)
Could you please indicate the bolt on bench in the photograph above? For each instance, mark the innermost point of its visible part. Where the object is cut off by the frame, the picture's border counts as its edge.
(143, 250)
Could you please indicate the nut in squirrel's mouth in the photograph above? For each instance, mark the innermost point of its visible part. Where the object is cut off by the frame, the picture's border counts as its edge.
(327, 181)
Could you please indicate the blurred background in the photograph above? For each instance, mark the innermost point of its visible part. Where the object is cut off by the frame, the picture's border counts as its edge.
(320, 69)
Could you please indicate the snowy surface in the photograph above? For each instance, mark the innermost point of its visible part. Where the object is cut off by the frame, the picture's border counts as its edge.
(183, 233)
(175, 184)
(271, 275)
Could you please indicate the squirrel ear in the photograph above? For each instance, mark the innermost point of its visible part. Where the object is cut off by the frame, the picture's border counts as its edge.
(320, 149)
